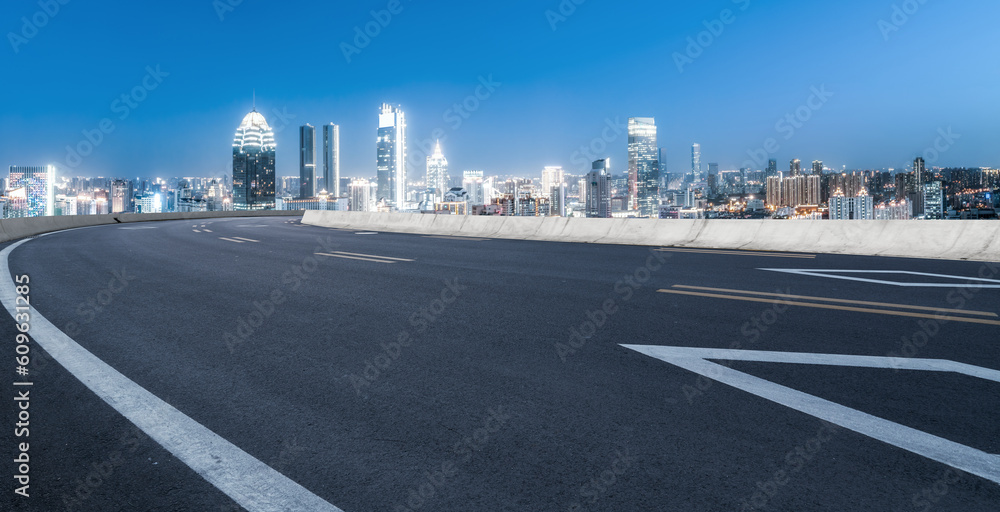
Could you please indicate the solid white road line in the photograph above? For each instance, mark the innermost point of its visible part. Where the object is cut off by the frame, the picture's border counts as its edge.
(248, 481)
(933, 447)
(832, 274)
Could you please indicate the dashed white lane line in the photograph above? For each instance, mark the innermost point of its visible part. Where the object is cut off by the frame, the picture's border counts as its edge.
(232, 240)
(956, 455)
(248, 481)
(196, 231)
(246, 239)
(207, 230)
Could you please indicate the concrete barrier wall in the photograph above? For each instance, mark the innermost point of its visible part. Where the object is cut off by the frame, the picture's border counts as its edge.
(12, 229)
(954, 240)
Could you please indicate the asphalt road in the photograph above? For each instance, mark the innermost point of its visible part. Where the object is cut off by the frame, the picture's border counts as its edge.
(511, 390)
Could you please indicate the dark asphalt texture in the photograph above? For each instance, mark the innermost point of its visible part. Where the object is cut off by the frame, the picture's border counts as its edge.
(482, 387)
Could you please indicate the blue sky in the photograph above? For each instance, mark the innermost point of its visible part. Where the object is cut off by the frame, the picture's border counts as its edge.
(562, 81)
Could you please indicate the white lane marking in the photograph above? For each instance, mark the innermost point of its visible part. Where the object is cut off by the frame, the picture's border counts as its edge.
(196, 231)
(366, 233)
(933, 447)
(248, 481)
(208, 230)
(832, 274)
(353, 257)
(246, 239)
(231, 240)
(371, 256)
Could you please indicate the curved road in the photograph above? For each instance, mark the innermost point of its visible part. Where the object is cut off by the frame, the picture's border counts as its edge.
(397, 372)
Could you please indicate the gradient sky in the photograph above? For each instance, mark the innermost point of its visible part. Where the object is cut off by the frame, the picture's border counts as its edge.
(606, 61)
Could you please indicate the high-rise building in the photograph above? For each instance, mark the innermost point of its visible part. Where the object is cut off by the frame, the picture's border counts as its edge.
(598, 194)
(860, 207)
(391, 156)
(331, 159)
(772, 168)
(934, 205)
(39, 193)
(795, 168)
(253, 164)
(307, 161)
(696, 162)
(713, 169)
(472, 181)
(360, 195)
(122, 196)
(643, 166)
(817, 167)
(554, 188)
(437, 174)
(919, 172)
(774, 191)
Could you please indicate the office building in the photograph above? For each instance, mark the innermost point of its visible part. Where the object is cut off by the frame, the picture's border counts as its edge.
(391, 157)
(437, 174)
(37, 186)
(934, 204)
(307, 161)
(253, 164)
(919, 172)
(772, 168)
(643, 167)
(696, 162)
(122, 196)
(795, 168)
(817, 167)
(360, 195)
(331, 159)
(598, 193)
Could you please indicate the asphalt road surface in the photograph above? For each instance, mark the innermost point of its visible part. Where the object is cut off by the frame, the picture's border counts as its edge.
(400, 372)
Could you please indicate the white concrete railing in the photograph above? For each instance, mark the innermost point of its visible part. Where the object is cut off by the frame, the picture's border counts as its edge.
(977, 240)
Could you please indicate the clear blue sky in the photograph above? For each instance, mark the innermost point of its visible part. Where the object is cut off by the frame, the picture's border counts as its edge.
(606, 60)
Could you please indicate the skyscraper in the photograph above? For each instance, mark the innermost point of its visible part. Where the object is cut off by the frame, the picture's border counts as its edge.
(331, 159)
(360, 195)
(39, 193)
(253, 164)
(391, 156)
(437, 173)
(817, 167)
(919, 172)
(307, 161)
(772, 168)
(696, 162)
(554, 188)
(598, 193)
(122, 196)
(472, 181)
(643, 166)
(795, 168)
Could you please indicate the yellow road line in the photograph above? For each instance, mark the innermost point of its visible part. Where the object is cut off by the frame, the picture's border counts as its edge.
(740, 253)
(231, 240)
(842, 301)
(839, 308)
(371, 256)
(353, 257)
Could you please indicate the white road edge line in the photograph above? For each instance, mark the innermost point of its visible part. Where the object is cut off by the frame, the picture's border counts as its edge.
(248, 481)
(933, 447)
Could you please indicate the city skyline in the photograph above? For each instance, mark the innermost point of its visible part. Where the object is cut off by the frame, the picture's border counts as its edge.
(730, 103)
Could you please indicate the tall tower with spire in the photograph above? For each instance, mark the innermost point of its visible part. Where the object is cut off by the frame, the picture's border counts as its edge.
(253, 163)
(437, 173)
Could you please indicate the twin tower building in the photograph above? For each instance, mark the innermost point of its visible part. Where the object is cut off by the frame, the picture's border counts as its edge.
(254, 164)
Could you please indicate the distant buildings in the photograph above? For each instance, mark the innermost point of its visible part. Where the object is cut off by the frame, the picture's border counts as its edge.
(934, 204)
(253, 164)
(817, 167)
(598, 194)
(32, 191)
(360, 196)
(391, 157)
(643, 166)
(331, 159)
(795, 168)
(473, 182)
(860, 207)
(554, 188)
(793, 191)
(772, 168)
(122, 196)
